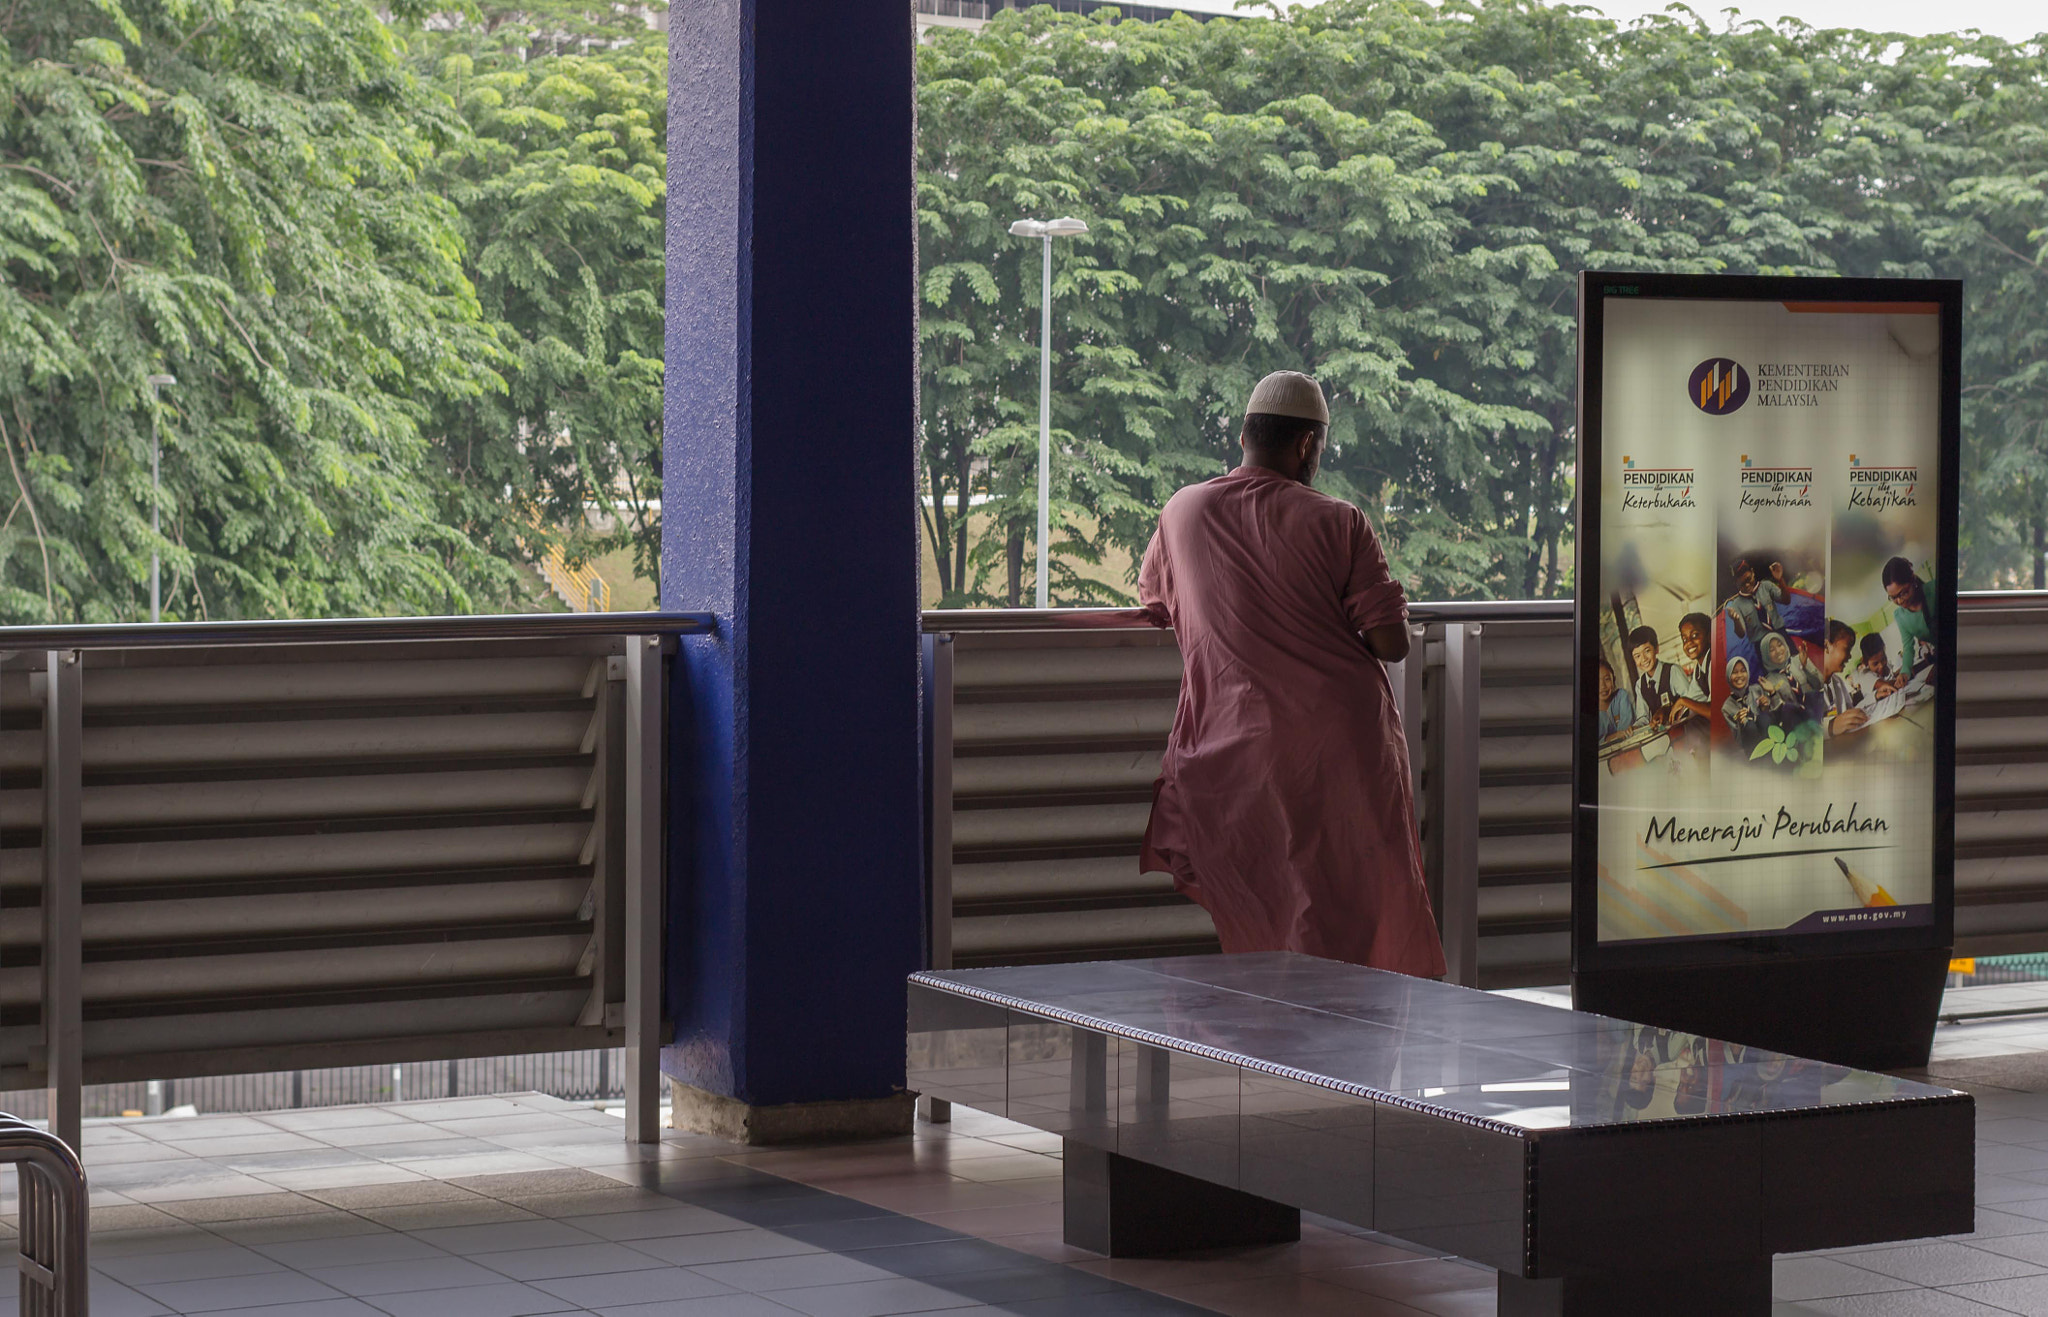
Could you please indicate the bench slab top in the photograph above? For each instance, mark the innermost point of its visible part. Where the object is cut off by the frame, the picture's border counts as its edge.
(1498, 1062)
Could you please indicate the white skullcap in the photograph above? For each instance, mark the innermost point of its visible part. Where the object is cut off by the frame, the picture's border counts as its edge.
(1289, 393)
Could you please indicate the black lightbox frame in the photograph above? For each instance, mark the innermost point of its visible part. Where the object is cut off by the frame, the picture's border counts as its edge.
(1617, 966)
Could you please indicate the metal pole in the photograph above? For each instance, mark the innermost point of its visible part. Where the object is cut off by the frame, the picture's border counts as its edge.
(155, 513)
(63, 786)
(1045, 430)
(643, 866)
(1458, 771)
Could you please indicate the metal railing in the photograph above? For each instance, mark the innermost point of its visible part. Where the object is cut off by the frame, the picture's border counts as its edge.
(594, 1076)
(54, 1221)
(1046, 730)
(274, 846)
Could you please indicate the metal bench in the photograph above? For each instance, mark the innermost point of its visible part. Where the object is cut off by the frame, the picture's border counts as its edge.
(1599, 1166)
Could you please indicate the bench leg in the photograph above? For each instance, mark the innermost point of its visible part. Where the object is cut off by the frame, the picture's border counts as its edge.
(1127, 1209)
(1711, 1289)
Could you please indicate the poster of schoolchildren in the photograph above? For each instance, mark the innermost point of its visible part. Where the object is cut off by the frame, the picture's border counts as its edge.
(1770, 627)
(1761, 627)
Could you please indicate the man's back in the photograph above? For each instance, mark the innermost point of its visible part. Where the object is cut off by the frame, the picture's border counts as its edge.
(1257, 570)
(1284, 804)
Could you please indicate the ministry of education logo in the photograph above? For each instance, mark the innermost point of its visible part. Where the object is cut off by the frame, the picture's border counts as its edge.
(1718, 386)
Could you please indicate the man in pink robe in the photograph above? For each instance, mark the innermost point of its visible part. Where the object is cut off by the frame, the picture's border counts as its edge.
(1284, 805)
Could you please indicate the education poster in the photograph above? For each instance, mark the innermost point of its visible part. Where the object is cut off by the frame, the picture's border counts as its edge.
(1767, 582)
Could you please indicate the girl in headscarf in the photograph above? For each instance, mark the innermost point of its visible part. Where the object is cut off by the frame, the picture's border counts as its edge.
(1743, 710)
(1789, 678)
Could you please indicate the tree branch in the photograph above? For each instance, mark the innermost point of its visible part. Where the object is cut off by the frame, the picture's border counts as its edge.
(42, 542)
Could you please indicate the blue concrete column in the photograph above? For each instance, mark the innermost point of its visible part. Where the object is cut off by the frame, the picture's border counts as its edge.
(789, 481)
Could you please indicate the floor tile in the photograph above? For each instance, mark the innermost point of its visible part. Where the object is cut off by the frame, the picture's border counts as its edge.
(458, 1108)
(356, 1197)
(2023, 1294)
(623, 1288)
(725, 1305)
(568, 1260)
(948, 1257)
(504, 1299)
(1904, 1303)
(1940, 1264)
(390, 1135)
(189, 1128)
(770, 1274)
(426, 1216)
(244, 1145)
(316, 1308)
(874, 1298)
(722, 1246)
(540, 1181)
(353, 1175)
(1819, 1278)
(325, 1119)
(263, 1204)
(108, 1297)
(193, 1296)
(500, 1237)
(657, 1223)
(612, 1200)
(868, 1232)
(416, 1150)
(292, 1229)
(349, 1250)
(186, 1264)
(162, 1239)
(479, 1163)
(405, 1276)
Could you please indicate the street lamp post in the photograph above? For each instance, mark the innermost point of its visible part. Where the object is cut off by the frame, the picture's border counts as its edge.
(1046, 230)
(155, 382)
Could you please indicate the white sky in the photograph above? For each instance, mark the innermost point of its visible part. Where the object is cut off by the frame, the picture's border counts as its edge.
(2015, 20)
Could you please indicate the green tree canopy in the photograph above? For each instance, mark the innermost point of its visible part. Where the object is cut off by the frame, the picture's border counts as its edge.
(227, 191)
(1397, 196)
(559, 186)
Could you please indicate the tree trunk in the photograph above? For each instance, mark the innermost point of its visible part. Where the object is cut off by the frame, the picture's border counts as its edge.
(966, 506)
(2040, 549)
(1015, 563)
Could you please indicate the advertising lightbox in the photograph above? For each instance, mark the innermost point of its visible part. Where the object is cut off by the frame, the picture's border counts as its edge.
(1766, 616)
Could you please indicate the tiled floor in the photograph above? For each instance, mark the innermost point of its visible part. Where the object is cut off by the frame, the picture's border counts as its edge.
(525, 1205)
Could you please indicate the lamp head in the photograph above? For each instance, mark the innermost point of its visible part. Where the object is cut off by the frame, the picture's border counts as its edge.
(1065, 227)
(1028, 228)
(160, 381)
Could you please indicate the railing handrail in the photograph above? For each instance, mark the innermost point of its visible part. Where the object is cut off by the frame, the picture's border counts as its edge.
(55, 1219)
(331, 630)
(1453, 610)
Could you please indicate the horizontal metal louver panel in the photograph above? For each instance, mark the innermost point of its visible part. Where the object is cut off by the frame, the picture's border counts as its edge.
(172, 1045)
(1080, 934)
(1115, 772)
(487, 845)
(138, 977)
(421, 735)
(978, 671)
(257, 910)
(1040, 881)
(1022, 725)
(293, 847)
(1049, 723)
(226, 801)
(509, 678)
(1049, 827)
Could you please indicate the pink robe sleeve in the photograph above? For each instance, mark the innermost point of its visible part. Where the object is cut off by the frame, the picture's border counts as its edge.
(1152, 584)
(1372, 597)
